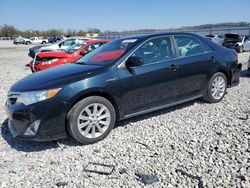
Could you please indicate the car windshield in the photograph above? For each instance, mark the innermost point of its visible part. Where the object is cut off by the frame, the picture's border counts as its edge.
(109, 53)
(74, 47)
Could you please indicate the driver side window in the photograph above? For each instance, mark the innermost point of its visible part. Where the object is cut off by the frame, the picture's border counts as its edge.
(154, 50)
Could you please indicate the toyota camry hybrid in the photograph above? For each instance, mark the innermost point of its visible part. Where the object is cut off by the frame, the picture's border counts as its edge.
(121, 79)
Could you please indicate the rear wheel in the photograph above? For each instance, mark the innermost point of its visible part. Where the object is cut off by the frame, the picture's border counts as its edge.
(216, 88)
(91, 119)
(28, 43)
(43, 42)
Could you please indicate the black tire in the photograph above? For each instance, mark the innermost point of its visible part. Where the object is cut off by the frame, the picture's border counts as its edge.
(75, 111)
(208, 95)
(28, 43)
(43, 42)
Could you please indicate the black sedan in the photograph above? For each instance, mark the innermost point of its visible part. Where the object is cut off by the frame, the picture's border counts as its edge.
(121, 79)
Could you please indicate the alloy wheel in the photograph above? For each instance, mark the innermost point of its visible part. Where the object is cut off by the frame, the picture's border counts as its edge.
(94, 120)
(218, 87)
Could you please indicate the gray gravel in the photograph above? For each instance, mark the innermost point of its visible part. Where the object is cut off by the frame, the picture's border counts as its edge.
(191, 145)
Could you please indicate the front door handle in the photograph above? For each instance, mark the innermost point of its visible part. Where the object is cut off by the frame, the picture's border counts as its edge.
(173, 67)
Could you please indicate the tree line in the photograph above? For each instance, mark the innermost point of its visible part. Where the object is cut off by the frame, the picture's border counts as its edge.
(11, 31)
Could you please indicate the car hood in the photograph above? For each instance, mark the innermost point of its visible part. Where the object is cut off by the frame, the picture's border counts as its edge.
(56, 77)
(58, 54)
(38, 46)
(50, 47)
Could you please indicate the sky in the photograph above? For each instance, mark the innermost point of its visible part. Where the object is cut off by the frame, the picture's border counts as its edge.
(120, 15)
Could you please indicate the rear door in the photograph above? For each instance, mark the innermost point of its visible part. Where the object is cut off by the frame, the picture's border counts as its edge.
(196, 64)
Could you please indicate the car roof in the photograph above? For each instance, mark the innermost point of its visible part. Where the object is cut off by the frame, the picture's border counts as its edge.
(146, 36)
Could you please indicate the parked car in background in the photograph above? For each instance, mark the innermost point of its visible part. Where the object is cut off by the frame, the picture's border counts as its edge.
(46, 60)
(121, 79)
(21, 40)
(246, 43)
(35, 49)
(56, 39)
(235, 41)
(37, 40)
(61, 45)
(217, 38)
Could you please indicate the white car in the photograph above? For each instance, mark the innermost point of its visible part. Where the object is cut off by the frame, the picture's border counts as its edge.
(63, 44)
(217, 38)
(21, 40)
(246, 43)
(37, 40)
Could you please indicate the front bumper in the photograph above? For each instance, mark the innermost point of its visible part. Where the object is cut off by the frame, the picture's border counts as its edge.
(50, 116)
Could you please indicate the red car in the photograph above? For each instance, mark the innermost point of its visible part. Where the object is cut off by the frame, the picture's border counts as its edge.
(46, 60)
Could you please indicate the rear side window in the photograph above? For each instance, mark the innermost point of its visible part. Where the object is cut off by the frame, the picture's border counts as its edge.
(189, 46)
(154, 50)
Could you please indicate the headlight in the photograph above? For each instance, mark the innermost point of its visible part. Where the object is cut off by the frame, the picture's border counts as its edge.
(31, 97)
(49, 62)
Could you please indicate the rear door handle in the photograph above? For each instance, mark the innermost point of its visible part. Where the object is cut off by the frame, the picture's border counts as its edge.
(173, 67)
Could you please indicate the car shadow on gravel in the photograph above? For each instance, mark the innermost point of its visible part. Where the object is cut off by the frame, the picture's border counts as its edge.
(245, 73)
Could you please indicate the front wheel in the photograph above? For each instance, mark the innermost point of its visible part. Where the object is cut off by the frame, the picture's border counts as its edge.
(28, 43)
(216, 88)
(91, 119)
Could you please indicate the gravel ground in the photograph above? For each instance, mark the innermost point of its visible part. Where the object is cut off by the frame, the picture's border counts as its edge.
(191, 145)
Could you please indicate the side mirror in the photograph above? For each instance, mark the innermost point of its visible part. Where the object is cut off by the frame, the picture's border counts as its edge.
(133, 61)
(60, 45)
(83, 52)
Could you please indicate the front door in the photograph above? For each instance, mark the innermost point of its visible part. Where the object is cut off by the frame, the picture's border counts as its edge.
(153, 84)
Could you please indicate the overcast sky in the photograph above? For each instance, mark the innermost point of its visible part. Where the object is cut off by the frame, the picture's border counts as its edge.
(120, 15)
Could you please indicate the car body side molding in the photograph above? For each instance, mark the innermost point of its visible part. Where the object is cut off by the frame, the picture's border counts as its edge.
(161, 107)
